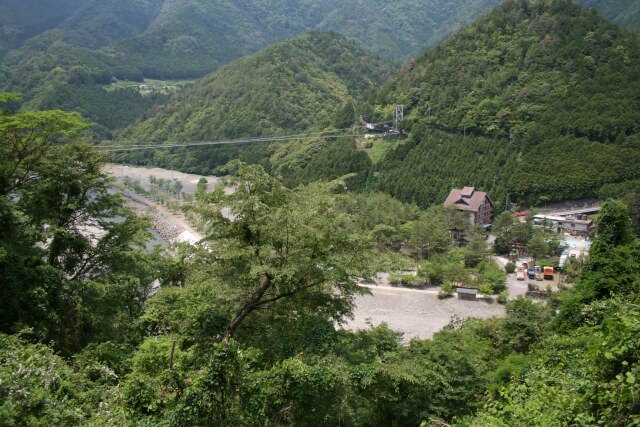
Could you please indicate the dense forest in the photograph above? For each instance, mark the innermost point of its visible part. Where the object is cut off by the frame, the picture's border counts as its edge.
(489, 108)
(46, 44)
(625, 13)
(293, 86)
(309, 83)
(83, 44)
(548, 91)
(243, 330)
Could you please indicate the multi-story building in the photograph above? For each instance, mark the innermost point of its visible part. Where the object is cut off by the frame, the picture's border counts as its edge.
(476, 204)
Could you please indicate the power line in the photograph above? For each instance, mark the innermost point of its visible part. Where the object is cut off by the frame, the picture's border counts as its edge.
(160, 145)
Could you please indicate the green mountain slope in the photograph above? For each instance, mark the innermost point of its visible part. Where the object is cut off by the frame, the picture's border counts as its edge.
(101, 23)
(307, 83)
(626, 13)
(96, 41)
(177, 38)
(400, 29)
(296, 85)
(554, 84)
(20, 20)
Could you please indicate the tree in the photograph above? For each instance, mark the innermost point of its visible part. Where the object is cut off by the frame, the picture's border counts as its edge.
(476, 250)
(537, 246)
(201, 188)
(430, 235)
(71, 258)
(278, 248)
(612, 266)
(614, 226)
(502, 227)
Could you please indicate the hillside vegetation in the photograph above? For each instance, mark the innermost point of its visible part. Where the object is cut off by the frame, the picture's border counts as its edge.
(307, 83)
(27, 18)
(92, 42)
(243, 331)
(533, 103)
(625, 13)
(547, 94)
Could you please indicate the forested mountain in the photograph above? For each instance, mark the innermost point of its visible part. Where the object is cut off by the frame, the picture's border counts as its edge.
(170, 38)
(89, 43)
(307, 83)
(533, 102)
(27, 18)
(547, 94)
(626, 13)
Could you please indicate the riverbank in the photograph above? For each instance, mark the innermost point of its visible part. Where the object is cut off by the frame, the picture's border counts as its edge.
(172, 227)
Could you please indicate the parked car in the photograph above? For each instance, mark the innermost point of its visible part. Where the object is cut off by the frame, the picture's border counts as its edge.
(531, 273)
(520, 273)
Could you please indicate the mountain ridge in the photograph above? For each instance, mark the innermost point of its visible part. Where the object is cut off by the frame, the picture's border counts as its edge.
(545, 78)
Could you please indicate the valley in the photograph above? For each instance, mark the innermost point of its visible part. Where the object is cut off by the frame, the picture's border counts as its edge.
(414, 313)
(367, 213)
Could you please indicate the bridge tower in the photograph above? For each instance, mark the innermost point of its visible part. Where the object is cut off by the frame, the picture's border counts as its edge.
(399, 116)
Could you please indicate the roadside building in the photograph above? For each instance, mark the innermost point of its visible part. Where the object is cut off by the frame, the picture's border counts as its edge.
(568, 224)
(476, 204)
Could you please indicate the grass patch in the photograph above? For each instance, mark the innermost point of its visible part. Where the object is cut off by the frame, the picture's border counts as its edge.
(380, 147)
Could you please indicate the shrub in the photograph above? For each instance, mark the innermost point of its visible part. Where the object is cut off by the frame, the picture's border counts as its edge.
(485, 289)
(503, 297)
(446, 291)
(411, 280)
(510, 268)
(394, 278)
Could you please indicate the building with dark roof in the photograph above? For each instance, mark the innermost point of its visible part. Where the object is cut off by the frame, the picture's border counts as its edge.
(475, 203)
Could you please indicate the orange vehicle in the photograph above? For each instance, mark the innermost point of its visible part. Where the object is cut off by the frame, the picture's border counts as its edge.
(548, 273)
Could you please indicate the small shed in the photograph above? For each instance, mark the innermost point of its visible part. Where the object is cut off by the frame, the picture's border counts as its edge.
(467, 294)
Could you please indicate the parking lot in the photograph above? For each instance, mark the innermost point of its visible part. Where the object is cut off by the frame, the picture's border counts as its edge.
(417, 313)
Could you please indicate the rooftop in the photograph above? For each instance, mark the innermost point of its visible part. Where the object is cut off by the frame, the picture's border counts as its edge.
(466, 199)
